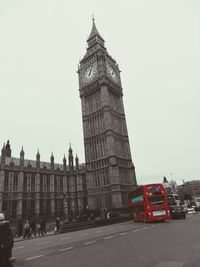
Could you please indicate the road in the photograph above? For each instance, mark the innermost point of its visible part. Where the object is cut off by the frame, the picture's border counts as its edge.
(175, 243)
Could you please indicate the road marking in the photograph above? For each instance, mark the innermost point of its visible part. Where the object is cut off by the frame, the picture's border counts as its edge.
(98, 231)
(18, 247)
(64, 249)
(169, 264)
(144, 228)
(83, 234)
(44, 243)
(91, 242)
(109, 237)
(35, 257)
(135, 230)
(111, 229)
(65, 238)
(123, 233)
(153, 225)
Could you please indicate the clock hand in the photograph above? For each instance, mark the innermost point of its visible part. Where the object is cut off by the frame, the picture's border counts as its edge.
(90, 71)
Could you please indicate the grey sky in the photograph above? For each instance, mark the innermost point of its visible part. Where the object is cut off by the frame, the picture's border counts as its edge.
(157, 46)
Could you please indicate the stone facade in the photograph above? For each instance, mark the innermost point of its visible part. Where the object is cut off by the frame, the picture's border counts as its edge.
(110, 172)
(35, 189)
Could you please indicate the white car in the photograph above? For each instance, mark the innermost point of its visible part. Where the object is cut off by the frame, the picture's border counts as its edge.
(191, 211)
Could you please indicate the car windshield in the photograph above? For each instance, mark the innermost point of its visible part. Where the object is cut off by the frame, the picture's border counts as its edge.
(156, 200)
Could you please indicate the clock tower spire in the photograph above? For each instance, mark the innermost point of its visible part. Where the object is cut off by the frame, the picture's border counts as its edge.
(94, 36)
(110, 172)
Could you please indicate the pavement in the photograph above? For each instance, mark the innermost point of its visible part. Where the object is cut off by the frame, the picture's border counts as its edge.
(78, 226)
(17, 239)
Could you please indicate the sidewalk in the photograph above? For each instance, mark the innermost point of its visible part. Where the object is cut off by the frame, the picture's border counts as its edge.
(75, 226)
(17, 239)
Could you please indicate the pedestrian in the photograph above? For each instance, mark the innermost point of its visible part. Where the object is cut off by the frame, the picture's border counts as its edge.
(26, 229)
(33, 227)
(57, 224)
(44, 226)
(108, 215)
(41, 230)
(6, 242)
(20, 228)
(38, 228)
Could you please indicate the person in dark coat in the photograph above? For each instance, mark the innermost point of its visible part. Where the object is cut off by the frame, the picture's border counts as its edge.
(41, 229)
(44, 226)
(6, 242)
(33, 227)
(26, 229)
(20, 228)
(57, 224)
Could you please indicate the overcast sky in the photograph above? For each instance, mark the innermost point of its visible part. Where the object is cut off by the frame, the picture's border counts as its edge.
(157, 46)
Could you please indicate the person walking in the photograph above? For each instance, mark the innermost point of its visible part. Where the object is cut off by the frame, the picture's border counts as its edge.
(41, 229)
(57, 224)
(33, 227)
(6, 242)
(44, 226)
(20, 228)
(26, 229)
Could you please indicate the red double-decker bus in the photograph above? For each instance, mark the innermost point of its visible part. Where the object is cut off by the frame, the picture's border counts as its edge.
(148, 203)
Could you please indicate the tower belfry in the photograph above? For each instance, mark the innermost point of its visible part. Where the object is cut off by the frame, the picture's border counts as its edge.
(110, 172)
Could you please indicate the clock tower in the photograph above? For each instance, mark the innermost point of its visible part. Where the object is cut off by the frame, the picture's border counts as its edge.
(110, 172)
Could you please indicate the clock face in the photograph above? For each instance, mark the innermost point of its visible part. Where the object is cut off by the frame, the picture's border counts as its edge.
(90, 73)
(112, 73)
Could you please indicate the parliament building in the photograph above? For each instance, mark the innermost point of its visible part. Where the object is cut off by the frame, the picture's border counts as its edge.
(31, 188)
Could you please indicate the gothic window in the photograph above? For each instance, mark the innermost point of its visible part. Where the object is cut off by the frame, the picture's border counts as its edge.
(32, 207)
(48, 183)
(15, 181)
(45, 183)
(41, 184)
(10, 184)
(61, 183)
(25, 183)
(28, 182)
(32, 182)
(6, 182)
(55, 183)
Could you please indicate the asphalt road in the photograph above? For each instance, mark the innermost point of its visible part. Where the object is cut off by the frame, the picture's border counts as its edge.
(175, 243)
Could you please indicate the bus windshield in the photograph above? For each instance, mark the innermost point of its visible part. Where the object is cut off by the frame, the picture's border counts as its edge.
(156, 200)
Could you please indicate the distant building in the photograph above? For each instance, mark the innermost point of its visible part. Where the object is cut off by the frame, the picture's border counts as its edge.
(189, 190)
